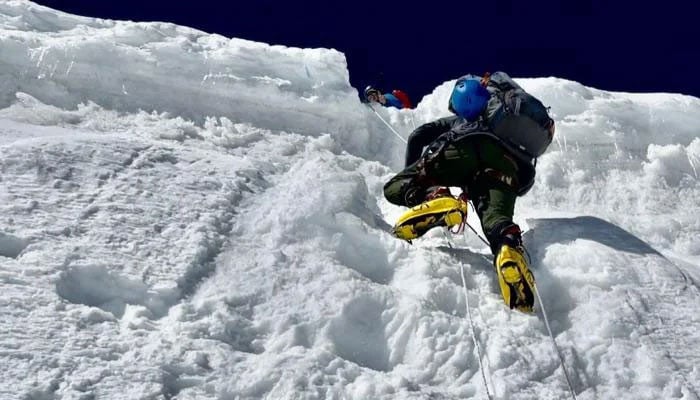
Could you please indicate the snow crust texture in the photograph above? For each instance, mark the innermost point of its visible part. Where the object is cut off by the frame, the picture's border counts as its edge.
(188, 216)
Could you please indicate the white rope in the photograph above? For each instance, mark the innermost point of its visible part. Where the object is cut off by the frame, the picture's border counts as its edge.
(544, 315)
(471, 323)
(486, 242)
(692, 164)
(477, 234)
(386, 123)
(554, 342)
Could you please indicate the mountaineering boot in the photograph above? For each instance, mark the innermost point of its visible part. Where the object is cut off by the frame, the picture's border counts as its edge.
(436, 192)
(440, 208)
(514, 277)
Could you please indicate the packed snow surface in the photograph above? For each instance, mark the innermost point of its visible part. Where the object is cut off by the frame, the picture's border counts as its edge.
(188, 216)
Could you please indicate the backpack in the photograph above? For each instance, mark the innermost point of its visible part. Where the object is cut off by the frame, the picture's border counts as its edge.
(516, 117)
(403, 98)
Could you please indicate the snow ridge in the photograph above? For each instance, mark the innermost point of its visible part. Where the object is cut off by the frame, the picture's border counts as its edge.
(188, 216)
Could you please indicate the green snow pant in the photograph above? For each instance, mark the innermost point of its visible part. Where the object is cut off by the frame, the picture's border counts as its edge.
(481, 166)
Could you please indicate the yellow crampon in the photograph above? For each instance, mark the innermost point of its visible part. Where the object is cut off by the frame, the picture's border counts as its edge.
(443, 211)
(515, 279)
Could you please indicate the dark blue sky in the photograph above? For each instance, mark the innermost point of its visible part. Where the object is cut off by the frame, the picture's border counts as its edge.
(612, 45)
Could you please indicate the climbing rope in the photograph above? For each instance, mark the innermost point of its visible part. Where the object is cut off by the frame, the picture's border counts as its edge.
(544, 315)
(386, 123)
(471, 323)
(554, 343)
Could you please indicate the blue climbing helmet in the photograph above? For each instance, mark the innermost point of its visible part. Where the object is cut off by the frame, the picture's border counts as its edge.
(469, 97)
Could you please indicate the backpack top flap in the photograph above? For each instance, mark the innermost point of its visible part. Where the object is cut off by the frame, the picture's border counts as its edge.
(503, 82)
(516, 116)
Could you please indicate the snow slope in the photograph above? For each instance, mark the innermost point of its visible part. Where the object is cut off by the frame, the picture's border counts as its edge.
(188, 216)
